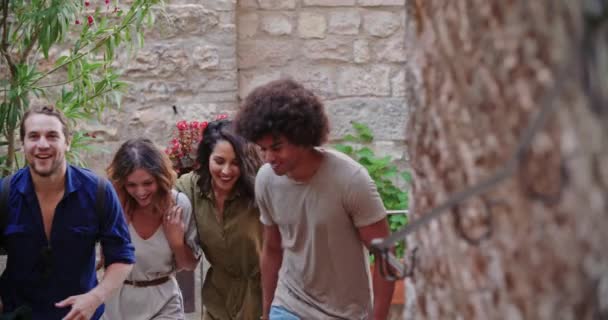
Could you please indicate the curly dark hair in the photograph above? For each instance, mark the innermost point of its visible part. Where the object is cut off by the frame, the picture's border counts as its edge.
(249, 160)
(283, 107)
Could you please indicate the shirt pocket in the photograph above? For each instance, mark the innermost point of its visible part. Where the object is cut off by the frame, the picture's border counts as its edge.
(77, 237)
(18, 237)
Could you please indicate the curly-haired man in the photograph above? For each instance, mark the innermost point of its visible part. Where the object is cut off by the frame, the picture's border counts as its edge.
(320, 210)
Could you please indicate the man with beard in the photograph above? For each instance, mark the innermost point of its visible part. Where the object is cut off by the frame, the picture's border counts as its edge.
(320, 210)
(52, 225)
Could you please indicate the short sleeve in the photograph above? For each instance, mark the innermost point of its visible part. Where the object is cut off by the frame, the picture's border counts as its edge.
(362, 200)
(191, 234)
(261, 197)
(114, 234)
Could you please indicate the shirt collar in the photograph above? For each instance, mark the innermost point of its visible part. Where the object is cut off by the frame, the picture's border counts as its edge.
(211, 196)
(26, 184)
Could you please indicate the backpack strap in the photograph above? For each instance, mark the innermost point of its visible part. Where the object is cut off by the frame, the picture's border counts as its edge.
(100, 200)
(4, 194)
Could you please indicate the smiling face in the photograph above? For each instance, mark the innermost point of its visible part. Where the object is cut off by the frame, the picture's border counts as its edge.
(141, 186)
(45, 145)
(224, 167)
(283, 156)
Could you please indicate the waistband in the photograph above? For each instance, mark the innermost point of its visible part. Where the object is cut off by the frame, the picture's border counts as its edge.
(147, 283)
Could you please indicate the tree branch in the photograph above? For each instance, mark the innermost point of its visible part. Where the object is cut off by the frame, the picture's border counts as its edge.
(4, 43)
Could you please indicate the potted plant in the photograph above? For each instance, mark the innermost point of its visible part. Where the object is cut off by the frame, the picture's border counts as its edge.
(387, 176)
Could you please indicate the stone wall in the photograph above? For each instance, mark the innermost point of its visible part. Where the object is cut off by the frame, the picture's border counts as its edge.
(188, 61)
(204, 56)
(350, 52)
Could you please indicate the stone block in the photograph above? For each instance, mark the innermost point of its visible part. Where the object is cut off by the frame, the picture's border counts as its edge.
(384, 116)
(318, 78)
(276, 24)
(181, 20)
(398, 84)
(372, 80)
(220, 5)
(205, 57)
(381, 23)
(247, 4)
(260, 53)
(328, 3)
(249, 80)
(311, 25)
(220, 81)
(247, 25)
(277, 4)
(375, 3)
(344, 22)
(391, 49)
(361, 51)
(332, 49)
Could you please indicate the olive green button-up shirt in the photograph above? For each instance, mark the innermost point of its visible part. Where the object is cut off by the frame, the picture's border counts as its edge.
(232, 288)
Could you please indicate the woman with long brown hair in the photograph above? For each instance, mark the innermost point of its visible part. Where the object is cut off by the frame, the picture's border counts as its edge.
(162, 231)
(221, 190)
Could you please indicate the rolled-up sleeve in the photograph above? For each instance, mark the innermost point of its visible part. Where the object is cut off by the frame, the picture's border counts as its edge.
(191, 233)
(114, 234)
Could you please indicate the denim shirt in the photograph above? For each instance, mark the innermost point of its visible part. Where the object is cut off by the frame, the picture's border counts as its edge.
(41, 272)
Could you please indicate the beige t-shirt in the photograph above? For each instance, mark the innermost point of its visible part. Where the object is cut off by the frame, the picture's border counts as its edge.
(325, 270)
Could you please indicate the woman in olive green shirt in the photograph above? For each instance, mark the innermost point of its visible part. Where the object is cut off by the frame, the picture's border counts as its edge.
(223, 204)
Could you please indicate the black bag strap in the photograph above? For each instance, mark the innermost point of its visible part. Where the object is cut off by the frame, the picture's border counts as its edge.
(100, 200)
(4, 194)
(6, 189)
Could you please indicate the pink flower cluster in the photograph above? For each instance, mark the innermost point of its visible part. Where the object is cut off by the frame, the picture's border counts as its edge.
(90, 19)
(185, 139)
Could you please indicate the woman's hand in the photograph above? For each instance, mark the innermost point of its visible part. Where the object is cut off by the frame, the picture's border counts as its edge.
(173, 226)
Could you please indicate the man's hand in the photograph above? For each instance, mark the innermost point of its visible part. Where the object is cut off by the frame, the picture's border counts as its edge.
(173, 226)
(83, 306)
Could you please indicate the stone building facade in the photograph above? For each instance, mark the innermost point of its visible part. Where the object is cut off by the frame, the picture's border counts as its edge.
(203, 57)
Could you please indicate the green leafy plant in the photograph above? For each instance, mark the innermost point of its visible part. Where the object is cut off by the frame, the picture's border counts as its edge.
(63, 52)
(384, 173)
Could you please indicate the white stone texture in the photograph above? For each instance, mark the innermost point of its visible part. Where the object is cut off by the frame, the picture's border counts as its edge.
(344, 22)
(247, 4)
(275, 52)
(276, 24)
(220, 5)
(205, 57)
(391, 49)
(318, 78)
(328, 3)
(182, 20)
(381, 23)
(312, 25)
(385, 116)
(249, 80)
(372, 80)
(277, 4)
(361, 52)
(329, 49)
(374, 3)
(248, 25)
(398, 84)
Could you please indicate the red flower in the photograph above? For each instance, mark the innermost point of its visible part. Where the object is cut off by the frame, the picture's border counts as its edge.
(203, 125)
(86, 3)
(77, 21)
(221, 117)
(90, 20)
(194, 124)
(107, 2)
(182, 125)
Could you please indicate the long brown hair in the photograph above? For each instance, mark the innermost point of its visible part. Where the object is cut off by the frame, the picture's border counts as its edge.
(248, 158)
(141, 153)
